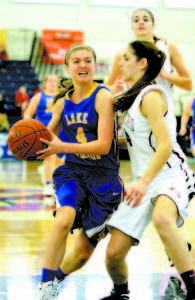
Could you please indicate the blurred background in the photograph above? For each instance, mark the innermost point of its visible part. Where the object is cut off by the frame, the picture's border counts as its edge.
(37, 33)
(34, 37)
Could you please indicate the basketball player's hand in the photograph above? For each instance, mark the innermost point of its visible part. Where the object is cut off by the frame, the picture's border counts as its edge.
(53, 146)
(135, 193)
(183, 131)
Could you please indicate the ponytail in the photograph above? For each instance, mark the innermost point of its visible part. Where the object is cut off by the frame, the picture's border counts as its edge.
(155, 59)
(64, 86)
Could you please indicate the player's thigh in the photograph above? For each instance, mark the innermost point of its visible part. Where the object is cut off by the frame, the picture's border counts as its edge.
(119, 245)
(69, 189)
(82, 244)
(165, 210)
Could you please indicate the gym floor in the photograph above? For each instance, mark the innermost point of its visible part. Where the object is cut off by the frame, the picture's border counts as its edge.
(24, 225)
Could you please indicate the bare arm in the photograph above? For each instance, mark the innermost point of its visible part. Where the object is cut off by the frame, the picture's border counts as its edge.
(115, 72)
(153, 108)
(183, 78)
(185, 116)
(55, 123)
(32, 107)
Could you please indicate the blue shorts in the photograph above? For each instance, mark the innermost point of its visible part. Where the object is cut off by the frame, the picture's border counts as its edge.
(94, 193)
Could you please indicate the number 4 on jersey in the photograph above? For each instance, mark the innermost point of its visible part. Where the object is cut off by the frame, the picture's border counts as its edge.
(81, 138)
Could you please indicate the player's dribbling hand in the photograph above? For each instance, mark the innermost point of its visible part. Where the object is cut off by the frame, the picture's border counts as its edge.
(135, 193)
(53, 146)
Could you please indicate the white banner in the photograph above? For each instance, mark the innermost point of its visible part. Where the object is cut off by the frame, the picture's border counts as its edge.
(48, 1)
(179, 3)
(127, 3)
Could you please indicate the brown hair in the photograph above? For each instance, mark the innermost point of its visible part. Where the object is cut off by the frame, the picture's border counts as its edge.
(64, 84)
(147, 11)
(155, 59)
(78, 47)
(47, 76)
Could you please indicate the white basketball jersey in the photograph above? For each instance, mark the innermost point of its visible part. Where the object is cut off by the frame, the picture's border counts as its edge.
(141, 141)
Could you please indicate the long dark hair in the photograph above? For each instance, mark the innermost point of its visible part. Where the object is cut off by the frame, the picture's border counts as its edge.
(65, 85)
(155, 59)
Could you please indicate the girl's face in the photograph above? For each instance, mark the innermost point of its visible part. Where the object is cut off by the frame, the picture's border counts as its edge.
(22, 89)
(51, 83)
(130, 67)
(142, 23)
(81, 65)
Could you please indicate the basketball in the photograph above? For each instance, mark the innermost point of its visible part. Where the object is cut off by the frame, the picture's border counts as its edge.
(24, 139)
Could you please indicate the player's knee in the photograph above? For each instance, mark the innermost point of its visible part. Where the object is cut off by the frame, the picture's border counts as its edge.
(162, 221)
(83, 258)
(62, 225)
(82, 254)
(113, 256)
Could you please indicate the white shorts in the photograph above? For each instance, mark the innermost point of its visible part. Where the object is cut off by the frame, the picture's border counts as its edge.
(190, 179)
(133, 221)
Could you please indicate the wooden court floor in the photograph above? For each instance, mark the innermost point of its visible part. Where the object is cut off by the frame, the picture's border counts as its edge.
(24, 226)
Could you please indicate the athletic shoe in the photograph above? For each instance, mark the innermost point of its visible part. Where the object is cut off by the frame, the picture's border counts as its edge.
(48, 290)
(174, 290)
(114, 296)
(58, 281)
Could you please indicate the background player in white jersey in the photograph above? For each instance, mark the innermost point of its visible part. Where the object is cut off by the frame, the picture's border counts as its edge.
(143, 25)
(174, 71)
(159, 191)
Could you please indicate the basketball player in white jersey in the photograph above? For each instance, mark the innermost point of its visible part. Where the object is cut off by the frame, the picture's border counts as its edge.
(143, 25)
(159, 191)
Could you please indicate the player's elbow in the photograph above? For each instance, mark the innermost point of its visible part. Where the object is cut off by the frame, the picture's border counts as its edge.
(167, 149)
(105, 151)
(189, 85)
(105, 148)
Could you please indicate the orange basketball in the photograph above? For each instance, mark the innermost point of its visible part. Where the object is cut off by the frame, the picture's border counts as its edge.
(24, 139)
